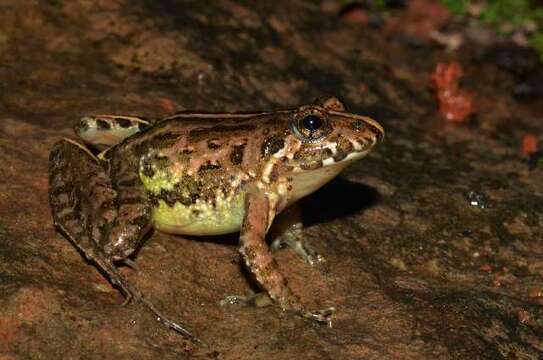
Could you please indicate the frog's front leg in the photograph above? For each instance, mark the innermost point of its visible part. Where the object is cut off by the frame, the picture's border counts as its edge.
(287, 230)
(259, 213)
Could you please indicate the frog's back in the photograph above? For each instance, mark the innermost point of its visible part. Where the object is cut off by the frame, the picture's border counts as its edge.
(195, 168)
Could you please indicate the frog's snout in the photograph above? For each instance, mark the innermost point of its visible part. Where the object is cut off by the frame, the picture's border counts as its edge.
(376, 129)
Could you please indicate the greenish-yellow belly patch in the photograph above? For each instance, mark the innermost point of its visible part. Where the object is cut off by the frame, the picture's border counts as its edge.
(200, 218)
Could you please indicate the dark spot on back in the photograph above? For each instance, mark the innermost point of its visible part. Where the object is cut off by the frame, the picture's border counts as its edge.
(272, 145)
(150, 163)
(103, 125)
(236, 156)
(147, 168)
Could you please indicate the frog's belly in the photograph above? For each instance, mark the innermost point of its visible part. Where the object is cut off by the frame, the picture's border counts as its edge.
(200, 218)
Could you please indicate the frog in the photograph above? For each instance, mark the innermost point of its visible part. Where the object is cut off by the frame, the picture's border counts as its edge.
(200, 174)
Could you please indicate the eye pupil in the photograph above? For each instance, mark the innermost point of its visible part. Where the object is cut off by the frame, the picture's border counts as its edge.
(312, 122)
(310, 125)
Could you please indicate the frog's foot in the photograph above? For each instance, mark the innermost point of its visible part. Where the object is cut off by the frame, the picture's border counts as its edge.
(294, 242)
(260, 299)
(324, 316)
(132, 293)
(287, 231)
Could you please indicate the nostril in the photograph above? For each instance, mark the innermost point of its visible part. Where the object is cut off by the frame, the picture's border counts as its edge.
(358, 125)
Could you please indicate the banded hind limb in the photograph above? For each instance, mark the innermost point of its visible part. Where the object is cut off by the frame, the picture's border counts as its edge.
(98, 219)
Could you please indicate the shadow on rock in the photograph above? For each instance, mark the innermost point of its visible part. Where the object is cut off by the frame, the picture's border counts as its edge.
(338, 199)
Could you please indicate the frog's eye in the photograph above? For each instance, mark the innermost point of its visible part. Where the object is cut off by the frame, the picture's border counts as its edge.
(312, 122)
(310, 126)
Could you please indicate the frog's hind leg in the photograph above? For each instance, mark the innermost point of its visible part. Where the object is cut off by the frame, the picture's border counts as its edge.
(84, 205)
(103, 131)
(75, 177)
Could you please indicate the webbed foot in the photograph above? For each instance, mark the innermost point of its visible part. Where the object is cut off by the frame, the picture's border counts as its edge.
(310, 256)
(287, 231)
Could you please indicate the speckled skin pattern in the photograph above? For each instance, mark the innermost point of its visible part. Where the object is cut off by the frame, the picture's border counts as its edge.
(200, 174)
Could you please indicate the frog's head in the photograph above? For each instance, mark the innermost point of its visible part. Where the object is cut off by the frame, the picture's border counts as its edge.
(324, 135)
(321, 140)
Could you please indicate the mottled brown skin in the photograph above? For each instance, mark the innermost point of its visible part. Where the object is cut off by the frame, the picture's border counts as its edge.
(76, 177)
(200, 174)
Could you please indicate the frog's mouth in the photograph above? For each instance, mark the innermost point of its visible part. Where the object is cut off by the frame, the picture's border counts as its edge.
(337, 153)
(352, 156)
(335, 158)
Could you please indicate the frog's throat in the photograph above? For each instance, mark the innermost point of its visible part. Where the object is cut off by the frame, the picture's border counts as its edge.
(305, 182)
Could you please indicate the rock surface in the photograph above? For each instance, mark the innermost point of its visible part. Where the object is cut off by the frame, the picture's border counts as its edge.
(433, 243)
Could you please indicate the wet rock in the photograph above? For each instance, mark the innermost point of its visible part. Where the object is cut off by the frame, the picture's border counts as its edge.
(524, 63)
(413, 268)
(513, 58)
(529, 89)
(478, 199)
